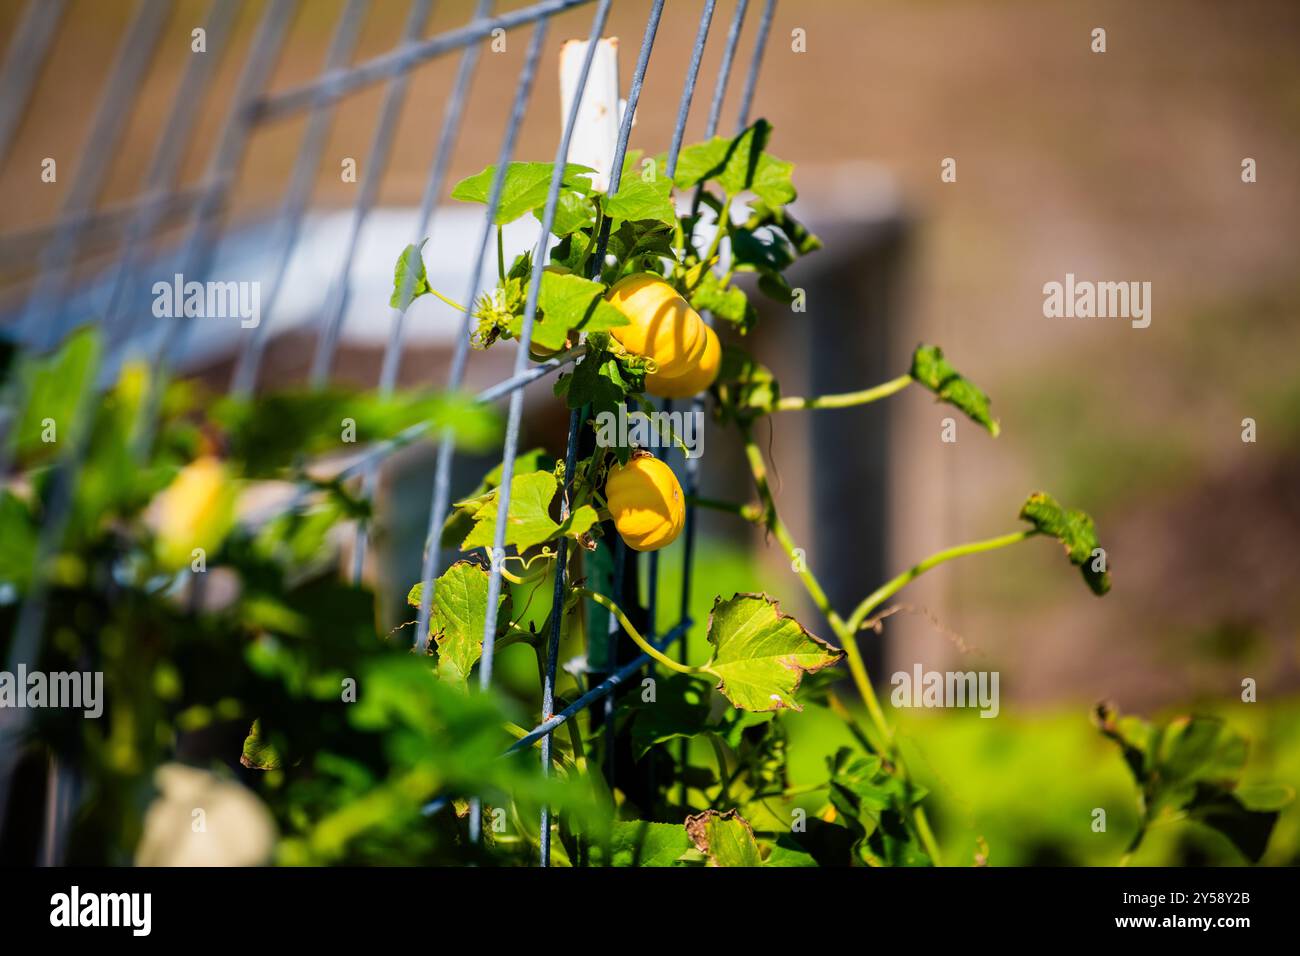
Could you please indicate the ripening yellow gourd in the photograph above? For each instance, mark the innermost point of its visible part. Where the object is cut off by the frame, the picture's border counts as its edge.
(696, 379)
(663, 326)
(197, 510)
(646, 502)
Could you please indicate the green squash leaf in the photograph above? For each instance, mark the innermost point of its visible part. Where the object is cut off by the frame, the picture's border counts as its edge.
(642, 843)
(726, 839)
(569, 302)
(932, 370)
(460, 604)
(1192, 765)
(638, 199)
(875, 804)
(258, 752)
(529, 522)
(1076, 531)
(409, 268)
(730, 303)
(573, 213)
(738, 165)
(524, 188)
(746, 388)
(760, 654)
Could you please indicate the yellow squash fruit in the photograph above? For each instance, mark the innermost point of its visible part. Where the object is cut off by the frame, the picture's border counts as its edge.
(197, 510)
(646, 502)
(663, 326)
(695, 380)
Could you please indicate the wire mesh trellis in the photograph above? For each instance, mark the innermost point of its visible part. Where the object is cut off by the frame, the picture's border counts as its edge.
(161, 199)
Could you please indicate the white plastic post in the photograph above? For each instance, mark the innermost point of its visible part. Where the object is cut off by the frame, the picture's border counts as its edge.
(595, 133)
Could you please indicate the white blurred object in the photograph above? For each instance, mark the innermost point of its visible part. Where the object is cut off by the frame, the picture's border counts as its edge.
(234, 828)
(595, 133)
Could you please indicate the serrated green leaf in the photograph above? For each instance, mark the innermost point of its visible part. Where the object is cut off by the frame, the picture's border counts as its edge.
(581, 521)
(258, 752)
(730, 304)
(642, 237)
(932, 370)
(460, 604)
(573, 213)
(745, 387)
(461, 520)
(638, 199)
(726, 839)
(409, 268)
(597, 381)
(760, 654)
(529, 520)
(569, 302)
(800, 238)
(642, 843)
(737, 165)
(875, 804)
(1076, 532)
(524, 188)
(1192, 766)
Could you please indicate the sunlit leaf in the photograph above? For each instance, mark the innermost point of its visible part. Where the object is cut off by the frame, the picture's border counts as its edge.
(460, 606)
(410, 281)
(529, 521)
(641, 199)
(932, 370)
(760, 654)
(524, 188)
(726, 839)
(1076, 532)
(642, 843)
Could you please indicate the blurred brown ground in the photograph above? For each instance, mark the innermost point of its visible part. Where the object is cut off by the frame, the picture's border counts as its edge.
(1119, 166)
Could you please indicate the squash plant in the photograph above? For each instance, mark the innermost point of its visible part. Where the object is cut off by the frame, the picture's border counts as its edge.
(633, 317)
(198, 570)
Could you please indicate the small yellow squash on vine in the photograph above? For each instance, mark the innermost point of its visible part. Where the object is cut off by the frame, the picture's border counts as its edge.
(646, 502)
(662, 326)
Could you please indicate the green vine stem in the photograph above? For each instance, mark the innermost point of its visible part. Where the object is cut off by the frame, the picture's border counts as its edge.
(846, 399)
(893, 586)
(752, 513)
(848, 640)
(633, 633)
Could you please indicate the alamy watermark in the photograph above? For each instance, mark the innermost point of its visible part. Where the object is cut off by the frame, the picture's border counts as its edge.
(922, 688)
(1084, 299)
(133, 911)
(208, 300)
(61, 690)
(623, 429)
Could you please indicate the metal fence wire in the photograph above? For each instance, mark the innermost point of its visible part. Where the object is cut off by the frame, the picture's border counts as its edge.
(162, 200)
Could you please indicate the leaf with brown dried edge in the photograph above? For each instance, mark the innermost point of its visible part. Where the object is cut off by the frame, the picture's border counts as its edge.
(726, 839)
(760, 654)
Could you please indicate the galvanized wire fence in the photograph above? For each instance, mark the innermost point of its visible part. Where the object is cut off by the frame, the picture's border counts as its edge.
(162, 198)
